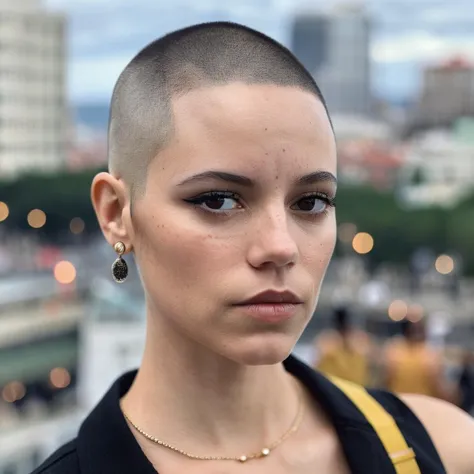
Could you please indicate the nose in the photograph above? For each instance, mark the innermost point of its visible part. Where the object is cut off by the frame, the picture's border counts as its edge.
(271, 242)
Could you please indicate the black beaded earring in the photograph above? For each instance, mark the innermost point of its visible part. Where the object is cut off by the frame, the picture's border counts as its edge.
(119, 267)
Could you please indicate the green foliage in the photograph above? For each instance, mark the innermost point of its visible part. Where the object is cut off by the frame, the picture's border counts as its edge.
(397, 232)
(61, 196)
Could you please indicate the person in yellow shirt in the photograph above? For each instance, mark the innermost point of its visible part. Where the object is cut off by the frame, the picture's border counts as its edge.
(413, 366)
(343, 351)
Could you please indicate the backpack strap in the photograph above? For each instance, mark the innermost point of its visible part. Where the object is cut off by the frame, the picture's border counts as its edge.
(401, 455)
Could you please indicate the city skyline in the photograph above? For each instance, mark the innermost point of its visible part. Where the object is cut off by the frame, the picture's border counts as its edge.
(407, 35)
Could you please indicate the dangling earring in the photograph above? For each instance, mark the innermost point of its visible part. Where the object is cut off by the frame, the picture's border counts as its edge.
(120, 267)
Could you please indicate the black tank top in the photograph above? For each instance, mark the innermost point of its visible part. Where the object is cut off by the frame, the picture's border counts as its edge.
(364, 451)
(105, 445)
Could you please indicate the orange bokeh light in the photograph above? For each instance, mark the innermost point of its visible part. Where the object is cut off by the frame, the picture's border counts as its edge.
(13, 392)
(363, 243)
(398, 310)
(36, 218)
(64, 272)
(444, 264)
(415, 313)
(59, 378)
(4, 211)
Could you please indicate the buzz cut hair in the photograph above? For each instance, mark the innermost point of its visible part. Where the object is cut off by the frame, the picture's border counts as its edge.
(202, 55)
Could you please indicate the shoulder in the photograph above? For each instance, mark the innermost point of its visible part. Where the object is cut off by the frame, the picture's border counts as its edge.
(451, 430)
(63, 461)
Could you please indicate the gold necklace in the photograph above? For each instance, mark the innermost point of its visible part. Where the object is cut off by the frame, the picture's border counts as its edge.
(261, 454)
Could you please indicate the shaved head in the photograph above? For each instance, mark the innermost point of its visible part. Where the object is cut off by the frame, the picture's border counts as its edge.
(200, 56)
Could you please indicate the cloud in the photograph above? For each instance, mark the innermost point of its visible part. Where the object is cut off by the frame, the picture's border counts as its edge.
(450, 14)
(422, 47)
(92, 79)
(105, 34)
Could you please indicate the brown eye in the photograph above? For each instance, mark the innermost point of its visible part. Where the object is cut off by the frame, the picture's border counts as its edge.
(306, 204)
(314, 204)
(217, 202)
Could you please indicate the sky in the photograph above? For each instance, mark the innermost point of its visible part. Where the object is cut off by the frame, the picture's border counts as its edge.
(104, 35)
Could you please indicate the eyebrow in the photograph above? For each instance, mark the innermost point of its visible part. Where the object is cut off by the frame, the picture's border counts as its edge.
(312, 178)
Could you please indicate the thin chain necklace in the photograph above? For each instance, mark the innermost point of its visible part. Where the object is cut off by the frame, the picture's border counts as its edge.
(264, 452)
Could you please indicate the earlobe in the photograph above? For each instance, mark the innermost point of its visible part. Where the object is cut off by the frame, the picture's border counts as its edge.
(109, 199)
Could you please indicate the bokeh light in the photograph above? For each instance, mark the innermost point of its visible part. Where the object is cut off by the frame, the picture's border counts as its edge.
(444, 264)
(363, 243)
(64, 272)
(13, 391)
(415, 313)
(77, 225)
(59, 378)
(398, 310)
(346, 232)
(4, 211)
(36, 218)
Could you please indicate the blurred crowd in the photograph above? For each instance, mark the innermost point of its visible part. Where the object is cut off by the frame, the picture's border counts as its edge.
(407, 363)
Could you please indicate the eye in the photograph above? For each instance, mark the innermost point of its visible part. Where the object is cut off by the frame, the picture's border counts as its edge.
(217, 201)
(314, 203)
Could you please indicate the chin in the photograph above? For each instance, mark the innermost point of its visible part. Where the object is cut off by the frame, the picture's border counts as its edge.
(262, 350)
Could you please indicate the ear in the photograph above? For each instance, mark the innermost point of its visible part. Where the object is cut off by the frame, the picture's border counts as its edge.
(111, 202)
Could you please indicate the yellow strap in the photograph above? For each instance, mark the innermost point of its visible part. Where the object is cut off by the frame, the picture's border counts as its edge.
(402, 456)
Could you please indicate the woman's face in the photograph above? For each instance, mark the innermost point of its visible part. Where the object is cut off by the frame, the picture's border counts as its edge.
(237, 204)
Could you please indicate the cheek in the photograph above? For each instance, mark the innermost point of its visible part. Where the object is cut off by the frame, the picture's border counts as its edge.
(184, 258)
(322, 244)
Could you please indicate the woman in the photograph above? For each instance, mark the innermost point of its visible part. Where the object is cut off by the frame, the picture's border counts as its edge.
(343, 351)
(222, 184)
(412, 365)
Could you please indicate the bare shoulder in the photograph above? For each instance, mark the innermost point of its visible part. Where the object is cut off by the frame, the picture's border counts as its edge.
(451, 430)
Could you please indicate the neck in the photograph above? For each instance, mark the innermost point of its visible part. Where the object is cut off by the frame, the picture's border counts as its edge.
(205, 404)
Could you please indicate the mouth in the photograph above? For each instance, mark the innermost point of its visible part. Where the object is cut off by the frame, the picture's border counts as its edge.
(272, 298)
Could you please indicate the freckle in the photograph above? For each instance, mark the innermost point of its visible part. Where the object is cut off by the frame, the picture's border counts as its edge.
(266, 128)
(284, 150)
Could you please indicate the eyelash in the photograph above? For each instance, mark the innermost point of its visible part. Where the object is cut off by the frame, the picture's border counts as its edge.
(201, 199)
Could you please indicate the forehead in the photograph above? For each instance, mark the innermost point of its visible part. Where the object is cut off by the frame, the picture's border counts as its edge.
(253, 126)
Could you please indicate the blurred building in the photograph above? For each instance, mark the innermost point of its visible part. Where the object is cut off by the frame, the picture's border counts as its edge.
(59, 353)
(447, 94)
(309, 41)
(368, 152)
(335, 48)
(439, 168)
(364, 162)
(32, 87)
(353, 127)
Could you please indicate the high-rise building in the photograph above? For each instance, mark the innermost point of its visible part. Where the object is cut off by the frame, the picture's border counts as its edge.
(33, 106)
(335, 48)
(309, 41)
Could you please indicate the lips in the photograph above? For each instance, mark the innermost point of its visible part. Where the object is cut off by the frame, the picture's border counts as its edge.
(272, 297)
